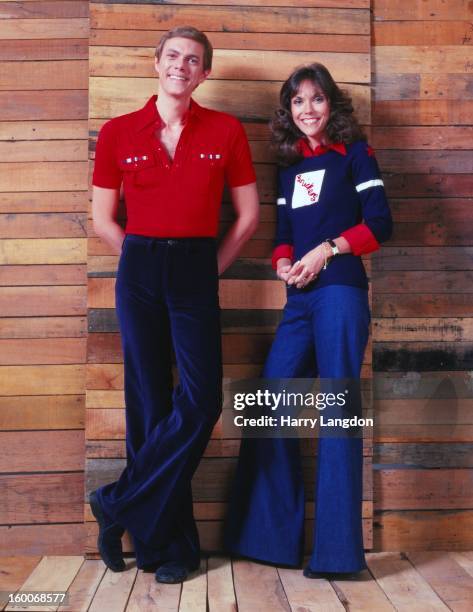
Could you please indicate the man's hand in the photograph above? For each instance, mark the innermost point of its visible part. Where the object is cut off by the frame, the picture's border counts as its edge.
(246, 204)
(104, 212)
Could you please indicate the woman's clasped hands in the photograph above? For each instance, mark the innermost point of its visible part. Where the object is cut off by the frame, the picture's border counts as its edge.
(305, 270)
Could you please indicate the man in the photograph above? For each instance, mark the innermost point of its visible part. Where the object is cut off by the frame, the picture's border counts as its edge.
(173, 157)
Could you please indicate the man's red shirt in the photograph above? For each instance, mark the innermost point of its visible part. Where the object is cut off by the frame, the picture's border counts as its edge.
(179, 197)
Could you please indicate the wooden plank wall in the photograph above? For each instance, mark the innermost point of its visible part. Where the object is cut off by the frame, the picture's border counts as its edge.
(422, 298)
(43, 216)
(257, 43)
(423, 294)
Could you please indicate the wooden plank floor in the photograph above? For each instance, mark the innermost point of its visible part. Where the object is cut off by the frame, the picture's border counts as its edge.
(410, 582)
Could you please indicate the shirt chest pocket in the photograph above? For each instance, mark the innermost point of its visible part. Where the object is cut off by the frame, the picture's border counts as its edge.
(208, 170)
(140, 170)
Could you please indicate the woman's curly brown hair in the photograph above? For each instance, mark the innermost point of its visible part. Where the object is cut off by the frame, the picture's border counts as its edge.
(342, 125)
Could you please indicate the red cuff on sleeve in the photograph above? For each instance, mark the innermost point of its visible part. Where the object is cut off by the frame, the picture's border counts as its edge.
(283, 250)
(361, 239)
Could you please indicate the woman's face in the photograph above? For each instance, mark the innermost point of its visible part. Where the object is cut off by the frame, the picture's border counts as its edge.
(310, 111)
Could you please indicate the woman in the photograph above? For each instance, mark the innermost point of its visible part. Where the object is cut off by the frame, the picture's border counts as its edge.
(331, 210)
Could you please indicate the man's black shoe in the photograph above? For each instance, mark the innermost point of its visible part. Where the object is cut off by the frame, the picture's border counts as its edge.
(172, 572)
(109, 541)
(309, 573)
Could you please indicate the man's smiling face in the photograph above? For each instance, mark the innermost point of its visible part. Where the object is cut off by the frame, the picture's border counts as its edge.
(181, 67)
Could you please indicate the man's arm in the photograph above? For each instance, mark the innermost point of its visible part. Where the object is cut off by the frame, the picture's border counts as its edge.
(246, 204)
(104, 213)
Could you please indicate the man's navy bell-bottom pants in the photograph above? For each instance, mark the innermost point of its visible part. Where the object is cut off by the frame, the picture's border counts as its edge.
(166, 299)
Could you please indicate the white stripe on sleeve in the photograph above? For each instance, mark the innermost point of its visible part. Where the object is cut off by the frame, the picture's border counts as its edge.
(281, 201)
(368, 184)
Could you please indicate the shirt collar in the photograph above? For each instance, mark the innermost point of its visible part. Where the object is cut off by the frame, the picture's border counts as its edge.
(307, 151)
(149, 115)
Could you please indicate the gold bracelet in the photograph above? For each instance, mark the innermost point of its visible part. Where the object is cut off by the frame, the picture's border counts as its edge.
(325, 255)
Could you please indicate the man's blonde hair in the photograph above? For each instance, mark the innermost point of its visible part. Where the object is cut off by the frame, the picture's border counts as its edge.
(193, 34)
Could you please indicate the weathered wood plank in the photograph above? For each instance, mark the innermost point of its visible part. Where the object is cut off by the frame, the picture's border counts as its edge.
(148, 595)
(424, 530)
(235, 18)
(241, 294)
(233, 321)
(408, 489)
(422, 112)
(42, 412)
(317, 595)
(401, 583)
(425, 33)
(44, 539)
(421, 87)
(44, 9)
(422, 330)
(362, 593)
(266, 586)
(43, 225)
(41, 498)
(113, 591)
(220, 591)
(349, 4)
(105, 399)
(422, 137)
(216, 511)
(437, 305)
(41, 351)
(42, 451)
(194, 590)
(450, 581)
(422, 258)
(43, 130)
(27, 29)
(425, 282)
(44, 251)
(434, 185)
(54, 49)
(443, 455)
(53, 574)
(430, 234)
(271, 41)
(403, 59)
(49, 201)
(38, 275)
(465, 559)
(212, 479)
(29, 176)
(106, 348)
(47, 301)
(45, 74)
(424, 433)
(13, 573)
(417, 10)
(242, 64)
(43, 327)
(445, 86)
(430, 410)
(42, 380)
(84, 586)
(416, 385)
(44, 151)
(414, 162)
(115, 96)
(44, 105)
(211, 536)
